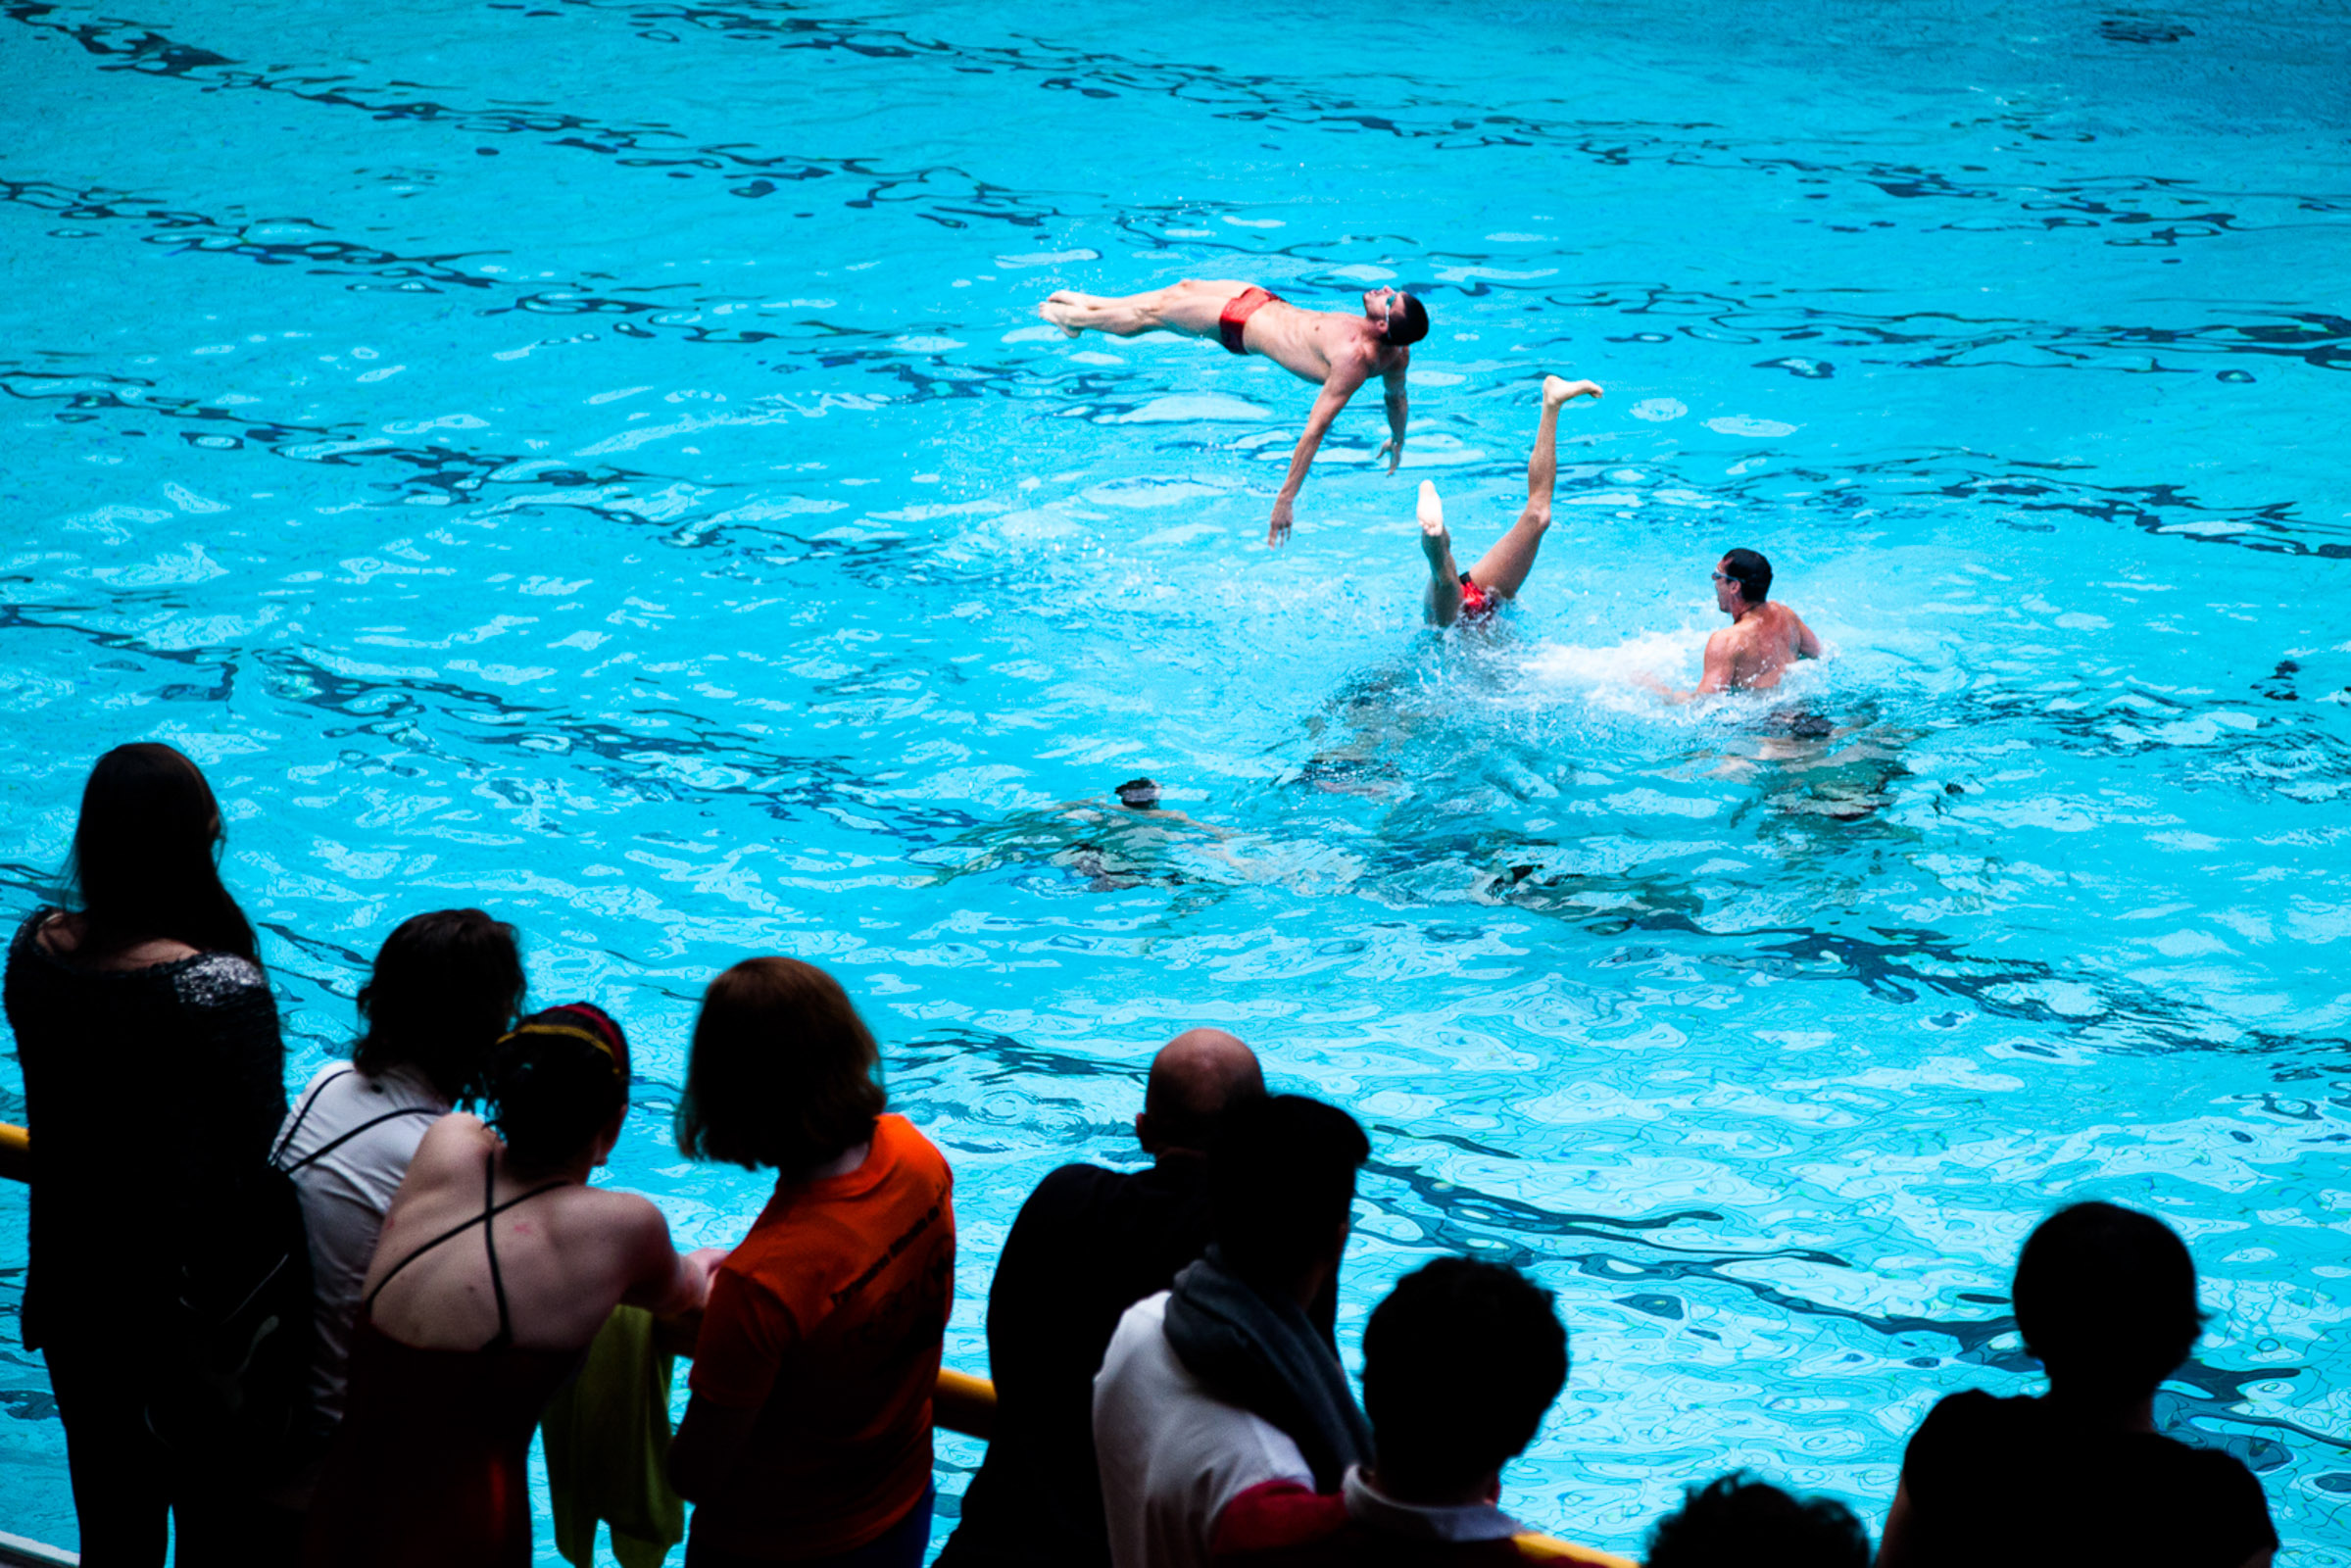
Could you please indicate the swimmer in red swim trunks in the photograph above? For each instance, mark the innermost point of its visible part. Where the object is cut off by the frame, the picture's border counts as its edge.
(1337, 351)
(1475, 595)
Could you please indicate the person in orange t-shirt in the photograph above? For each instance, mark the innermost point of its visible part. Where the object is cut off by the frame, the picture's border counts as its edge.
(808, 1440)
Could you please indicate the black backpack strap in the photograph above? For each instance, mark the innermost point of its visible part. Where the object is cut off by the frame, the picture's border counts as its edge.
(286, 1139)
(334, 1143)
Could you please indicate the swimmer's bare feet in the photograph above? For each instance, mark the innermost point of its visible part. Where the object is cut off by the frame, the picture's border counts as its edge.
(1556, 392)
(1435, 541)
(1058, 308)
(1444, 603)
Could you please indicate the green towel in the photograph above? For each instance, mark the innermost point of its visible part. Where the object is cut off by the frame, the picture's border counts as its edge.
(608, 1448)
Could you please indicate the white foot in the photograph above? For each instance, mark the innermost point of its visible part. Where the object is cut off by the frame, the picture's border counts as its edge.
(1435, 542)
(1556, 391)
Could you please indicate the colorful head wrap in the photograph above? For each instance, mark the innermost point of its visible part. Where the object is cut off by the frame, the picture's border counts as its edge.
(583, 1021)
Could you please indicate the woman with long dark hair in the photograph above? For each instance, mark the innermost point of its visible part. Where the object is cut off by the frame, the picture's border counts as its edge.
(153, 1083)
(497, 1266)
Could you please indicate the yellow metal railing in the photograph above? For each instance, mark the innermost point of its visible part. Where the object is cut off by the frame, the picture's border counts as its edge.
(962, 1402)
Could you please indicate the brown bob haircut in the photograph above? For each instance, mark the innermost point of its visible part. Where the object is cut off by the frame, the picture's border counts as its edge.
(782, 1071)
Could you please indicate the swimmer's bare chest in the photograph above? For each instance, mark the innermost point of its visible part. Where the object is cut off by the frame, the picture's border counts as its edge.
(1309, 344)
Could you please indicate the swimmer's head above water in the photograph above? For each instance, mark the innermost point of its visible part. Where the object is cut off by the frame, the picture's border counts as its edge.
(1763, 639)
(1741, 578)
(1138, 795)
(1401, 320)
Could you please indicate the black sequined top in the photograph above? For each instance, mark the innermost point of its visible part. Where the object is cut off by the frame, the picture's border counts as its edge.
(147, 1091)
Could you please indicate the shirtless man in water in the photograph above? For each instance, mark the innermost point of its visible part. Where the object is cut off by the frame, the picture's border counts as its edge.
(1473, 596)
(1763, 639)
(1338, 352)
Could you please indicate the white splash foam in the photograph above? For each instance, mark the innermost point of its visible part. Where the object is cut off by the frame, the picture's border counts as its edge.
(1046, 257)
(1607, 676)
(1190, 405)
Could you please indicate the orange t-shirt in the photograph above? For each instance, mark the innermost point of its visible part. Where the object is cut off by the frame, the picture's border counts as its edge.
(827, 1321)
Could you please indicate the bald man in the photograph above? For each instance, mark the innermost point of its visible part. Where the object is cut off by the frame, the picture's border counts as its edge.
(1089, 1243)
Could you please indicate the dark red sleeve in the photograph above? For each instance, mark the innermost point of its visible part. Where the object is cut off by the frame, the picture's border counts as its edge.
(1276, 1514)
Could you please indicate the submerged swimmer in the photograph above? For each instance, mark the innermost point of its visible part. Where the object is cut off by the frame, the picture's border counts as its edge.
(1763, 639)
(1476, 594)
(1337, 351)
(1135, 843)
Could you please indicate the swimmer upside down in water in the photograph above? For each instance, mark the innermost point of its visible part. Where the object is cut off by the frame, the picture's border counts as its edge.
(1474, 595)
(1337, 351)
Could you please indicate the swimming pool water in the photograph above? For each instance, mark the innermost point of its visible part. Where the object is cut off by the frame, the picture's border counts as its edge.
(597, 460)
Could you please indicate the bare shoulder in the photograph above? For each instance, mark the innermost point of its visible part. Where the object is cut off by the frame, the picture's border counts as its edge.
(1358, 356)
(626, 1226)
(1791, 625)
(629, 1218)
(460, 1137)
(61, 934)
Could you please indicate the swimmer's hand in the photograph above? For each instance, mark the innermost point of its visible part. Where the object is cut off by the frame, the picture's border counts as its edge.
(1277, 534)
(1650, 683)
(1393, 449)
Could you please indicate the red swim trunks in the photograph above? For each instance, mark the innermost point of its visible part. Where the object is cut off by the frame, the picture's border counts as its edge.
(1236, 311)
(1477, 603)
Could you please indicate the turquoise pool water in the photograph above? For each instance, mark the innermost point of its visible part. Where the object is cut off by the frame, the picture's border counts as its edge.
(597, 460)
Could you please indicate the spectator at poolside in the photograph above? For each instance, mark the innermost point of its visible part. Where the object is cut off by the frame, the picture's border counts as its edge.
(444, 988)
(497, 1266)
(153, 1081)
(808, 1436)
(1225, 1382)
(1459, 1364)
(1737, 1521)
(1089, 1243)
(2106, 1300)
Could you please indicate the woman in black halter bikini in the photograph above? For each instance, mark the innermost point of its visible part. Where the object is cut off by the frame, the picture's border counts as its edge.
(497, 1266)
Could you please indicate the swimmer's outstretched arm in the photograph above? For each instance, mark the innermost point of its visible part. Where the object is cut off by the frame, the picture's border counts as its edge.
(1334, 395)
(1398, 408)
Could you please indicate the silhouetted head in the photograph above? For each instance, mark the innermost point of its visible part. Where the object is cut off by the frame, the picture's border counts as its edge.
(1282, 1184)
(146, 856)
(1402, 319)
(1745, 573)
(1138, 794)
(445, 986)
(1459, 1364)
(1193, 1079)
(782, 1070)
(556, 1087)
(1737, 1521)
(2106, 1299)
